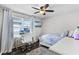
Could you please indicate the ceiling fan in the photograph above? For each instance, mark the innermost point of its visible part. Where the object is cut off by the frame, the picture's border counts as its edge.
(43, 9)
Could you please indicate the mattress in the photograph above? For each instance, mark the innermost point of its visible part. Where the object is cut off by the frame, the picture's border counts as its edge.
(66, 46)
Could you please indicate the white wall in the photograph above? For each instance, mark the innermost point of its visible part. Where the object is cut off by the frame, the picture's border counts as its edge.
(66, 17)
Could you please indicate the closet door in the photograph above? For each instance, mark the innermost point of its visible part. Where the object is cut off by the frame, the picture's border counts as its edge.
(1, 15)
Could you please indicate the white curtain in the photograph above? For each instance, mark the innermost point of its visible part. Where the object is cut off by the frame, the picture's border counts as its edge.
(1, 14)
(7, 32)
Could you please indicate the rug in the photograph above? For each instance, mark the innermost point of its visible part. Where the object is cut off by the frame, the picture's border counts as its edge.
(42, 51)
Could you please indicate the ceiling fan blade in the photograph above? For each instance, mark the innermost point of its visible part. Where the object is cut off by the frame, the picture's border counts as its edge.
(46, 6)
(49, 10)
(36, 12)
(35, 8)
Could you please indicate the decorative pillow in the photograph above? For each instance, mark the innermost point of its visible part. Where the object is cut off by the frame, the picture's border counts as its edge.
(76, 34)
(70, 33)
(64, 34)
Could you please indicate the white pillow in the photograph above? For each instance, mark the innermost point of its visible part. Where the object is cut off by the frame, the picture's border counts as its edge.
(70, 33)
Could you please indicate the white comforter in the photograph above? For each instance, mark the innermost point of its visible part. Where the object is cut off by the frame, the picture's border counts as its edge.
(50, 39)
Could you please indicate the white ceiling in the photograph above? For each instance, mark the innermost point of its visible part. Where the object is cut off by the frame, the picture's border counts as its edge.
(27, 9)
(58, 8)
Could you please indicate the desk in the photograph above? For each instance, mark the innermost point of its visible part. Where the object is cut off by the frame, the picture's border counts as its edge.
(66, 46)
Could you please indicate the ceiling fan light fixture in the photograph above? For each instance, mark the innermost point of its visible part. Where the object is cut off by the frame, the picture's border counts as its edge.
(42, 12)
(43, 9)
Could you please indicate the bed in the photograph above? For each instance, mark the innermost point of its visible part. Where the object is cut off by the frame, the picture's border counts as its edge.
(50, 39)
(66, 46)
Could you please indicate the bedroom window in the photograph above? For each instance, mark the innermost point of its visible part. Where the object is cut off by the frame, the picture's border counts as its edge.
(16, 26)
(21, 26)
